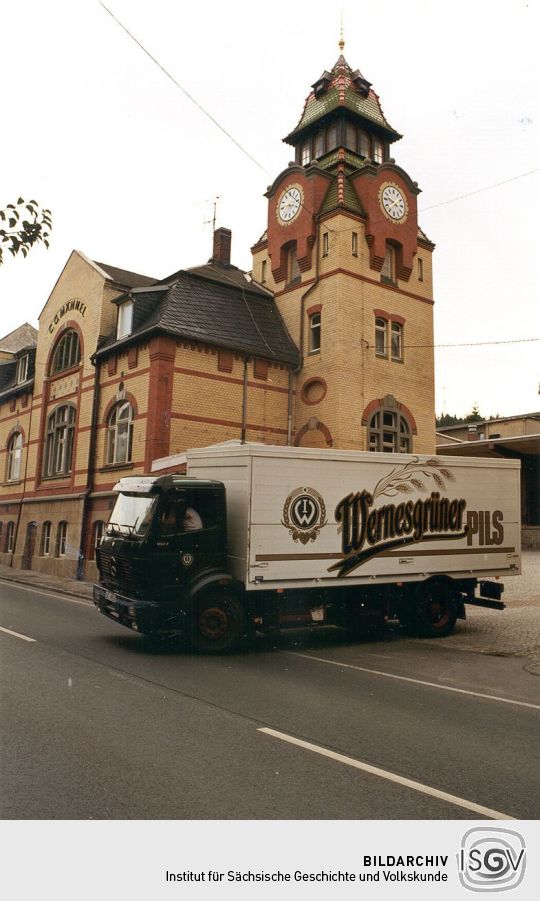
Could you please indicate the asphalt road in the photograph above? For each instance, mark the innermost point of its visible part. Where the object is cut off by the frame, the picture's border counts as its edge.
(99, 723)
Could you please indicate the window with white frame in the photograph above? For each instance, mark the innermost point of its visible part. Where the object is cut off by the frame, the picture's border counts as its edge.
(61, 540)
(10, 537)
(125, 319)
(59, 441)
(388, 271)
(389, 431)
(397, 341)
(314, 332)
(46, 531)
(119, 433)
(306, 153)
(381, 337)
(293, 269)
(22, 369)
(378, 150)
(14, 457)
(97, 534)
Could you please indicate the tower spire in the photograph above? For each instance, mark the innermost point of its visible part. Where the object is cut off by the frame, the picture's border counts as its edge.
(341, 38)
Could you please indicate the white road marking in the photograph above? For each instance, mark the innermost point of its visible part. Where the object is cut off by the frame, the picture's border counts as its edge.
(37, 590)
(375, 672)
(16, 634)
(390, 777)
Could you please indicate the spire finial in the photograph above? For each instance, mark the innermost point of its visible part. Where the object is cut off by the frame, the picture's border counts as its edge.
(341, 38)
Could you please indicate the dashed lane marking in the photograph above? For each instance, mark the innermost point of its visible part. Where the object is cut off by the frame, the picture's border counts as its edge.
(16, 634)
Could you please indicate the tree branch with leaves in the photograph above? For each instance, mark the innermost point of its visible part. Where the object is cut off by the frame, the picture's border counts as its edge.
(26, 224)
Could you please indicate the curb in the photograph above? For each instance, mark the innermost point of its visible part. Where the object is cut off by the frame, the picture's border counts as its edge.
(46, 587)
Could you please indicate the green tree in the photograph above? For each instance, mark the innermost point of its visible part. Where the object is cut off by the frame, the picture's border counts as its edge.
(26, 225)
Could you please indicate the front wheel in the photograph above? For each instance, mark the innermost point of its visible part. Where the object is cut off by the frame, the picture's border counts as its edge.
(436, 610)
(221, 623)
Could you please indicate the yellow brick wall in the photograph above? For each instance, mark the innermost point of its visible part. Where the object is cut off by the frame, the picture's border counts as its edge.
(346, 362)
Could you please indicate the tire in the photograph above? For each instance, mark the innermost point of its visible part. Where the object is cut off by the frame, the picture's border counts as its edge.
(436, 610)
(220, 624)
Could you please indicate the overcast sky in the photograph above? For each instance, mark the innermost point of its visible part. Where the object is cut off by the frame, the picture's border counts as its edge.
(129, 165)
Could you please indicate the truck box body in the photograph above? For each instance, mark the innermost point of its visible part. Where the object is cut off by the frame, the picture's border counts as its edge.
(299, 516)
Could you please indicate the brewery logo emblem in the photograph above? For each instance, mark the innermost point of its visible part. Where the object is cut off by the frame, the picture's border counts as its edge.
(304, 514)
(187, 559)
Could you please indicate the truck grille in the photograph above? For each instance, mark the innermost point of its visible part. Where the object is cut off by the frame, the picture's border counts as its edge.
(118, 572)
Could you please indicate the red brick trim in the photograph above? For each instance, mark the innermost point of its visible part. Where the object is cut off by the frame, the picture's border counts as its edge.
(124, 378)
(305, 388)
(320, 427)
(15, 431)
(378, 404)
(395, 318)
(133, 357)
(114, 401)
(227, 422)
(260, 369)
(316, 308)
(225, 360)
(70, 324)
(160, 391)
(112, 364)
(233, 381)
(382, 314)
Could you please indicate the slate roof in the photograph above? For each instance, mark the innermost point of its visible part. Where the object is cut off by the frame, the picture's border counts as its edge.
(214, 305)
(126, 278)
(21, 338)
(342, 92)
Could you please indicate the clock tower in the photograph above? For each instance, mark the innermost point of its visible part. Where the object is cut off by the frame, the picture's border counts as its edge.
(351, 273)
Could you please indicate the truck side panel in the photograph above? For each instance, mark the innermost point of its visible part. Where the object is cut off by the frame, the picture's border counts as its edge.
(337, 517)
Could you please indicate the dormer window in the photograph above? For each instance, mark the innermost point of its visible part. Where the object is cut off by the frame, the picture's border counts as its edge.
(125, 319)
(22, 369)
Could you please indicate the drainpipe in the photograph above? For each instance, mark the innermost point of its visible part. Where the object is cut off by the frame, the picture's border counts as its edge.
(244, 402)
(90, 466)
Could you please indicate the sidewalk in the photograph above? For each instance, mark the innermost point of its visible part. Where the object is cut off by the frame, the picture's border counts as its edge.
(513, 632)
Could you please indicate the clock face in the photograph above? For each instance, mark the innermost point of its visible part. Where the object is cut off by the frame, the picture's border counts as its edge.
(289, 204)
(393, 202)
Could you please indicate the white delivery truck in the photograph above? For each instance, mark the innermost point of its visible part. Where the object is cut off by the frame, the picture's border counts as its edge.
(265, 537)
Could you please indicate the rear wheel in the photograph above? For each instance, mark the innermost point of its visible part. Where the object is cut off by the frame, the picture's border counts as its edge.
(436, 610)
(221, 623)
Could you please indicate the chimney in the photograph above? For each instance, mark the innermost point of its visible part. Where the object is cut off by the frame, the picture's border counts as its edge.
(222, 246)
(472, 434)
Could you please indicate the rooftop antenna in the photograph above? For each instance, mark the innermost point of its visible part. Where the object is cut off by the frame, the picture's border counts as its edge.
(212, 221)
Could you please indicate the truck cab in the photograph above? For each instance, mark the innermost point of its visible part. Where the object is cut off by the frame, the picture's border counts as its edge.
(166, 540)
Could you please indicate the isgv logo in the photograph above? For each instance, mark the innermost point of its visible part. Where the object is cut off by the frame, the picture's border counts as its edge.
(491, 860)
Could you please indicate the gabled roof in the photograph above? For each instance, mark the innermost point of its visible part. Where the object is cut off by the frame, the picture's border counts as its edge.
(342, 88)
(126, 278)
(20, 339)
(216, 305)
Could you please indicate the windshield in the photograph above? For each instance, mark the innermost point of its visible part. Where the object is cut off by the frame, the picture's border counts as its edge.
(132, 515)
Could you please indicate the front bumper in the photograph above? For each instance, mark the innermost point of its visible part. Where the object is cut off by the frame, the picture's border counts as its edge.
(141, 616)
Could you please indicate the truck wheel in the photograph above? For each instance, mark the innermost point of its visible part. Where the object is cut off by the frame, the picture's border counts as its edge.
(436, 610)
(221, 623)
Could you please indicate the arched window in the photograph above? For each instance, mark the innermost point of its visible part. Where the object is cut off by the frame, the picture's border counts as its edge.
(10, 537)
(46, 539)
(59, 444)
(67, 352)
(119, 434)
(314, 332)
(61, 539)
(293, 269)
(388, 271)
(14, 457)
(98, 532)
(381, 337)
(389, 431)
